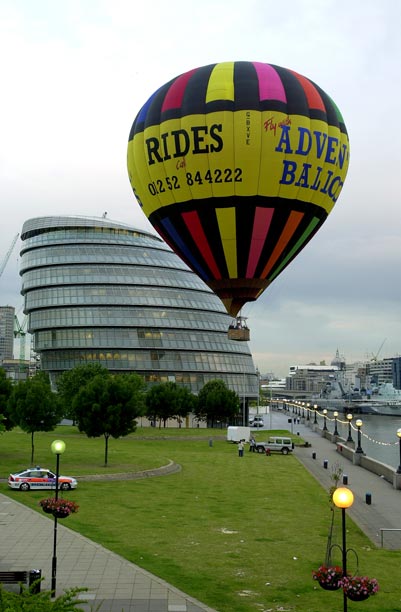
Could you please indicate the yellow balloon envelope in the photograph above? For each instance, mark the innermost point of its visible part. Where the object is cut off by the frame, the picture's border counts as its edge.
(237, 165)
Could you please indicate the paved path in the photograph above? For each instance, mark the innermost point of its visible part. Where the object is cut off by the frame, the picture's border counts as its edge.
(384, 512)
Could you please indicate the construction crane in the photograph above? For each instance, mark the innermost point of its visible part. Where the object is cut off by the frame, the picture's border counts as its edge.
(7, 255)
(20, 332)
(375, 357)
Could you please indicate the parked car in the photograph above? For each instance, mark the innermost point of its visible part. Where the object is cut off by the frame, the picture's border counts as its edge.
(278, 444)
(256, 422)
(39, 478)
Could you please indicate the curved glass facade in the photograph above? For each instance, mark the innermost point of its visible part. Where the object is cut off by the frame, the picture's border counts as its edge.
(98, 291)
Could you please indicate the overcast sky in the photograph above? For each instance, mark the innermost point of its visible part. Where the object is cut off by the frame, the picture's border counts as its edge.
(75, 73)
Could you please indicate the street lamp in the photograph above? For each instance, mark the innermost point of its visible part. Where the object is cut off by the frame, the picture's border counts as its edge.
(343, 498)
(315, 419)
(58, 448)
(324, 419)
(307, 412)
(335, 423)
(399, 437)
(359, 424)
(349, 417)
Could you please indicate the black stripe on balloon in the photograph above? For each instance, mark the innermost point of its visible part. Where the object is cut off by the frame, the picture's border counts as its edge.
(246, 87)
(194, 99)
(155, 108)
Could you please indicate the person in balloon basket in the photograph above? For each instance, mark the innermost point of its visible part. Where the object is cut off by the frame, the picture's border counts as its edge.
(241, 448)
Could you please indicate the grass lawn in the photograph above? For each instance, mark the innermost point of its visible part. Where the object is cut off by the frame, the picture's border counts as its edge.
(239, 534)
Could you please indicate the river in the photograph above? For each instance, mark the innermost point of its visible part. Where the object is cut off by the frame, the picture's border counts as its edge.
(378, 436)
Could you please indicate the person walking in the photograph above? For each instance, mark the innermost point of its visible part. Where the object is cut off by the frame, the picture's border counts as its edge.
(240, 448)
(252, 444)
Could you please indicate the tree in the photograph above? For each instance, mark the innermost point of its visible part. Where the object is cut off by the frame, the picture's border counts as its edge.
(217, 403)
(33, 406)
(71, 382)
(168, 401)
(6, 388)
(108, 406)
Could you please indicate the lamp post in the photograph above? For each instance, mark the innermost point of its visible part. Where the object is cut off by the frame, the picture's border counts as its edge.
(324, 419)
(335, 423)
(343, 498)
(349, 418)
(315, 418)
(307, 412)
(399, 437)
(359, 424)
(58, 448)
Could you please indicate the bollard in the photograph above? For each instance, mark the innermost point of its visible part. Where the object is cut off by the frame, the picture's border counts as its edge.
(313, 455)
(34, 581)
(368, 498)
(325, 464)
(345, 479)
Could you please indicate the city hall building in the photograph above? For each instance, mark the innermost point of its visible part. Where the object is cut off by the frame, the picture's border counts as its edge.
(99, 291)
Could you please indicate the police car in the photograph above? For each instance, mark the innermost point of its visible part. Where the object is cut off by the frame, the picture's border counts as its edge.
(39, 478)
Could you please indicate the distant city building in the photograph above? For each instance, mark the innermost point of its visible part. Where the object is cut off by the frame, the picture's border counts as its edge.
(311, 378)
(16, 369)
(99, 291)
(380, 371)
(342, 380)
(7, 314)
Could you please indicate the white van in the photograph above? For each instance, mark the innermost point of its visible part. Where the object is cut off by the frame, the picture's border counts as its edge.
(235, 434)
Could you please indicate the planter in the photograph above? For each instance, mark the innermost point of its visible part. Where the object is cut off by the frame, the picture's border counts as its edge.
(359, 588)
(357, 596)
(60, 514)
(330, 586)
(47, 510)
(329, 577)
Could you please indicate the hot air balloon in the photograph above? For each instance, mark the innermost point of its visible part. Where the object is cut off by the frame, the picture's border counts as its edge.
(237, 165)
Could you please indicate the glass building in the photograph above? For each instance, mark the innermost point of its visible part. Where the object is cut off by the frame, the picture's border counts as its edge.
(99, 291)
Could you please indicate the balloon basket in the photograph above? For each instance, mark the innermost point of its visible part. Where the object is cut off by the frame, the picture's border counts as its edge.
(238, 330)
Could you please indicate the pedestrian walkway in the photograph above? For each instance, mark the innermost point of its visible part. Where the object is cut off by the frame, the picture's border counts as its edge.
(113, 583)
(384, 511)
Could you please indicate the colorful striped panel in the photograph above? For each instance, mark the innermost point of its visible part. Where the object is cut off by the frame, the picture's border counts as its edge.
(228, 234)
(175, 94)
(261, 225)
(297, 247)
(270, 85)
(312, 95)
(293, 222)
(174, 238)
(193, 223)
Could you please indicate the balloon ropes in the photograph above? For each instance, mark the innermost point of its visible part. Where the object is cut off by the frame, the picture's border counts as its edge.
(237, 165)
